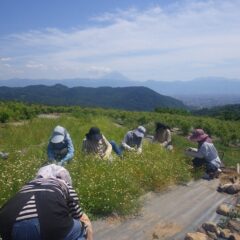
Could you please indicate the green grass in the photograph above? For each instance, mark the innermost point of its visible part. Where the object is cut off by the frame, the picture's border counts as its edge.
(104, 187)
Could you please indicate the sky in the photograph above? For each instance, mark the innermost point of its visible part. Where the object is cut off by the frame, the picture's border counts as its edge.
(141, 39)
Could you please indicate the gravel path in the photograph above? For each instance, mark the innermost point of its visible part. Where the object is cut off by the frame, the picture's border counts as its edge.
(167, 215)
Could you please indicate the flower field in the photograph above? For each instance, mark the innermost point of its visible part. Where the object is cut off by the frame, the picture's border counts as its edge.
(109, 187)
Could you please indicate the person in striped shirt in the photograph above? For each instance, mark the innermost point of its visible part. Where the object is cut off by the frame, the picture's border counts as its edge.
(96, 143)
(45, 208)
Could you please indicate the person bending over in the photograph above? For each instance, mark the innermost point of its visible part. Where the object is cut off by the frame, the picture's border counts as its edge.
(60, 148)
(206, 153)
(96, 143)
(45, 208)
(163, 136)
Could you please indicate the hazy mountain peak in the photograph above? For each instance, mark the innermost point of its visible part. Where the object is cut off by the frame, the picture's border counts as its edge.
(115, 75)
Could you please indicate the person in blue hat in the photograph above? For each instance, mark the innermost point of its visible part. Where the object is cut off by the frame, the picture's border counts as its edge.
(60, 147)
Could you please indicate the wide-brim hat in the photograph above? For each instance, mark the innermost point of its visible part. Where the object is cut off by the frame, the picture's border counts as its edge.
(94, 134)
(198, 135)
(58, 134)
(140, 131)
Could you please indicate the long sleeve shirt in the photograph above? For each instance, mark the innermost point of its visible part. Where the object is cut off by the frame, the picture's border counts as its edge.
(64, 153)
(51, 200)
(101, 148)
(163, 137)
(131, 141)
(208, 152)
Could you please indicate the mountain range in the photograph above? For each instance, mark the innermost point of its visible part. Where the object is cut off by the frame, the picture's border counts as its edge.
(128, 98)
(201, 92)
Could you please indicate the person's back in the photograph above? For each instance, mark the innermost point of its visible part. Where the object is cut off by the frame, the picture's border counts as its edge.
(45, 208)
(131, 140)
(43, 200)
(163, 136)
(96, 143)
(208, 151)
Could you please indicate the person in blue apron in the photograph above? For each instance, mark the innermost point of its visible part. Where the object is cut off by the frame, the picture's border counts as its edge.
(60, 148)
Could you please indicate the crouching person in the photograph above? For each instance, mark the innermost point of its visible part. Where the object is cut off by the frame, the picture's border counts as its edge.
(133, 140)
(60, 147)
(45, 208)
(96, 143)
(163, 136)
(205, 155)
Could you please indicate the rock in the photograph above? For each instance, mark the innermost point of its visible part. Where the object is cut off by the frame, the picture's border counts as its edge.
(234, 188)
(224, 187)
(234, 226)
(234, 236)
(4, 155)
(225, 233)
(155, 236)
(230, 188)
(196, 236)
(223, 209)
(211, 227)
(202, 230)
(212, 235)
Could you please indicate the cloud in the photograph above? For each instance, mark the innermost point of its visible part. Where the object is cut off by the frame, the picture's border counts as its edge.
(183, 40)
(34, 65)
(99, 71)
(5, 59)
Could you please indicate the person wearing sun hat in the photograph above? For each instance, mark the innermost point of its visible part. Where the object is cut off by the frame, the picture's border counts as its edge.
(60, 147)
(206, 153)
(133, 140)
(96, 143)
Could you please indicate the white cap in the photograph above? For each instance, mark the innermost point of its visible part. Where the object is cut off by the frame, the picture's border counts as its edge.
(58, 134)
(140, 131)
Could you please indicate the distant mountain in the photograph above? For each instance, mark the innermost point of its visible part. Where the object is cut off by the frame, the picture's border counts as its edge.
(198, 86)
(129, 98)
(201, 92)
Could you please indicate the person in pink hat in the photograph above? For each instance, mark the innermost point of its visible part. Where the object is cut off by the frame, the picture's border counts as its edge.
(206, 153)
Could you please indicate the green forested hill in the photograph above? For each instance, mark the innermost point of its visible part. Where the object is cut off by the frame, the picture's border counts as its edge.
(129, 98)
(228, 112)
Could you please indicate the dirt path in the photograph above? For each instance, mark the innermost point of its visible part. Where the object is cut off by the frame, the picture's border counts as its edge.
(167, 215)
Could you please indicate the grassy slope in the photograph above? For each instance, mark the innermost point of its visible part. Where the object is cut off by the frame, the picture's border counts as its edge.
(103, 187)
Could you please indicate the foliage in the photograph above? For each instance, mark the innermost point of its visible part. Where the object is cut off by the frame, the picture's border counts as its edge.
(173, 111)
(228, 112)
(104, 187)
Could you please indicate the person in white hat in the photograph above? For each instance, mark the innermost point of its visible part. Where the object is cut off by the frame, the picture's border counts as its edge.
(133, 140)
(60, 147)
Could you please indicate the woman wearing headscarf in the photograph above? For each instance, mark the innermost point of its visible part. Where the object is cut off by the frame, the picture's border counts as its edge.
(45, 208)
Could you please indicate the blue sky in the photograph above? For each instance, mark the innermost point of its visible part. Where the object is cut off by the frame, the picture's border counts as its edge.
(147, 39)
